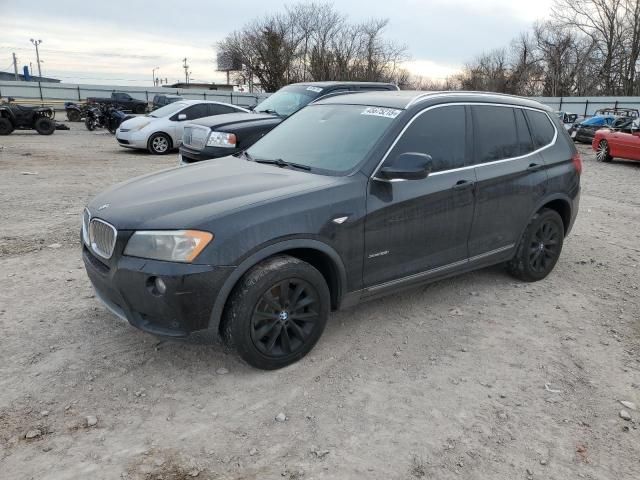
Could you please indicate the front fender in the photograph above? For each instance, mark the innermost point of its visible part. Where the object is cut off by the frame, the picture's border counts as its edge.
(263, 253)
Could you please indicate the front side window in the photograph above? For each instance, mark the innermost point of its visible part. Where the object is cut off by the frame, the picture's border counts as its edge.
(542, 130)
(495, 133)
(217, 109)
(196, 111)
(328, 138)
(438, 132)
(168, 110)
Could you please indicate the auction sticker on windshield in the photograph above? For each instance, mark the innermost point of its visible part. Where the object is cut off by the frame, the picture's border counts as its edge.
(314, 89)
(381, 112)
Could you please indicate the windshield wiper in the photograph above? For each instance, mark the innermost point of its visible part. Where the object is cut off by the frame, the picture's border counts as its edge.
(281, 163)
(269, 111)
(244, 154)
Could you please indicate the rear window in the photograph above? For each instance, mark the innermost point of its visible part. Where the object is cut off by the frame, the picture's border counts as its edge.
(542, 130)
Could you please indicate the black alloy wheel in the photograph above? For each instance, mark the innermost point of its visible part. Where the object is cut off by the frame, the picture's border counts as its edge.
(544, 247)
(276, 312)
(284, 318)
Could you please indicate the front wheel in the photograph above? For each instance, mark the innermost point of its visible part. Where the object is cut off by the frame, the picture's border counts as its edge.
(277, 312)
(44, 126)
(159, 144)
(90, 124)
(539, 247)
(603, 154)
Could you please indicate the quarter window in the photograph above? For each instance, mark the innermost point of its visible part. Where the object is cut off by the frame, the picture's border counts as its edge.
(542, 130)
(440, 133)
(495, 133)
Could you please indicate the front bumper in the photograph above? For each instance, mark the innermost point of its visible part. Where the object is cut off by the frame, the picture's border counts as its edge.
(124, 285)
(136, 139)
(189, 155)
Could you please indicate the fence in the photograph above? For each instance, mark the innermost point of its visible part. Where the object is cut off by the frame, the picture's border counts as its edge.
(67, 92)
(60, 92)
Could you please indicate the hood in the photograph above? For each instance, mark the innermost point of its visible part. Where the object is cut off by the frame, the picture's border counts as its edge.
(136, 122)
(189, 197)
(229, 120)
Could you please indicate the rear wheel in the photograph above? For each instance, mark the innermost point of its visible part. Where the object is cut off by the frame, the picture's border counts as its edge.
(603, 154)
(277, 312)
(539, 248)
(6, 127)
(44, 125)
(159, 144)
(73, 115)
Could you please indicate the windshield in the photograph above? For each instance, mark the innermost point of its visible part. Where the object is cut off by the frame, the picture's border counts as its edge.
(167, 110)
(328, 138)
(595, 121)
(289, 100)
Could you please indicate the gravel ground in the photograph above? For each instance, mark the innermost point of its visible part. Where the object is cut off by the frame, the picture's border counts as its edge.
(475, 377)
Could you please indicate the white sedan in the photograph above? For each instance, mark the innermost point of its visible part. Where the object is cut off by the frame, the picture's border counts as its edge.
(161, 130)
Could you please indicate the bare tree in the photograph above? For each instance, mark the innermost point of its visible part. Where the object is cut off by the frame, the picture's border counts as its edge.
(312, 41)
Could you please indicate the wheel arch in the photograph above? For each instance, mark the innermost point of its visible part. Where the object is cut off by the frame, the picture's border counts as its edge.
(560, 204)
(318, 254)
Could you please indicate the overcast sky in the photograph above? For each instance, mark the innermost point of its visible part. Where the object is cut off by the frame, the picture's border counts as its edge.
(117, 41)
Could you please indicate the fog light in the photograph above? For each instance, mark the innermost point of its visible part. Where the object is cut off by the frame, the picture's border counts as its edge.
(160, 286)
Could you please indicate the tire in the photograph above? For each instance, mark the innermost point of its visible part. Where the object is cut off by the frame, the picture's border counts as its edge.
(159, 144)
(539, 248)
(603, 154)
(259, 322)
(73, 116)
(6, 127)
(140, 108)
(89, 123)
(44, 125)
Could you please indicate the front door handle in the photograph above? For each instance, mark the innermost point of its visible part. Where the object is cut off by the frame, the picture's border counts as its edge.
(463, 185)
(534, 167)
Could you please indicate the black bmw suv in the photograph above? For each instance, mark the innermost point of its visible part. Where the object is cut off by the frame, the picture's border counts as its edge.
(222, 135)
(354, 197)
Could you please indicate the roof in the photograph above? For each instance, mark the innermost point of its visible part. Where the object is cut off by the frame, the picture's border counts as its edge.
(403, 99)
(334, 83)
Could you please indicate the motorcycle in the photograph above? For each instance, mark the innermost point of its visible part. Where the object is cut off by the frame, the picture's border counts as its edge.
(104, 116)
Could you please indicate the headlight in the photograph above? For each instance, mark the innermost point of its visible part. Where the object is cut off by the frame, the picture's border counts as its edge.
(168, 245)
(221, 139)
(139, 127)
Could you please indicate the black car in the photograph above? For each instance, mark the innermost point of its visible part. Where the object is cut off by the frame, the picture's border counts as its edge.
(162, 100)
(223, 135)
(354, 197)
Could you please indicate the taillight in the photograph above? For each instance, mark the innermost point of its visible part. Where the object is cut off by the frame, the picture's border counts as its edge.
(577, 162)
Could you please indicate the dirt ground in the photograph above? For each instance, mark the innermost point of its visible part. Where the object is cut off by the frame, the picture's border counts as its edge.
(475, 377)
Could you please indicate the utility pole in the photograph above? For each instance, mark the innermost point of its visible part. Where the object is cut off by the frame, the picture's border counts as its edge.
(153, 74)
(36, 43)
(15, 66)
(186, 70)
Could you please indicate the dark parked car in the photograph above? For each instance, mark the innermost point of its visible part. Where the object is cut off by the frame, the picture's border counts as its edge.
(224, 135)
(122, 101)
(162, 100)
(21, 117)
(354, 197)
(584, 131)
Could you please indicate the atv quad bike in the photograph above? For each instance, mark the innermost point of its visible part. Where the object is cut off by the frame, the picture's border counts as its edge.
(21, 117)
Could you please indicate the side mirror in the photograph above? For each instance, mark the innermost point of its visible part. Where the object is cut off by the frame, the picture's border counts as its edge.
(182, 116)
(408, 166)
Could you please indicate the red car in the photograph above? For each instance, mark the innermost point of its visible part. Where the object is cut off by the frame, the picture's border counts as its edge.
(622, 143)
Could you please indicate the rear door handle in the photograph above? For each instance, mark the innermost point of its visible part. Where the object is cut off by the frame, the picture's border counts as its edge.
(534, 167)
(463, 185)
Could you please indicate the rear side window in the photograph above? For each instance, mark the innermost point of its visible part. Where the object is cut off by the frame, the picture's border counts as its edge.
(215, 109)
(495, 133)
(525, 143)
(542, 130)
(439, 132)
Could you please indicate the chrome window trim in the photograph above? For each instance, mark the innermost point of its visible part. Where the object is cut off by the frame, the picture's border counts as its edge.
(467, 167)
(85, 228)
(428, 273)
(105, 255)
